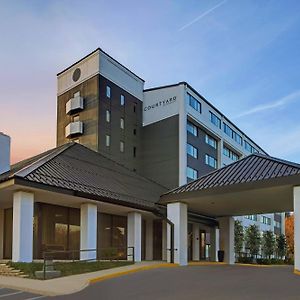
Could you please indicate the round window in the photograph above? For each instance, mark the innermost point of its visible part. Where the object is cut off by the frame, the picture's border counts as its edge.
(76, 74)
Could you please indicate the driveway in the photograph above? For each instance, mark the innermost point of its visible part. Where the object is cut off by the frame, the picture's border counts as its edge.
(198, 282)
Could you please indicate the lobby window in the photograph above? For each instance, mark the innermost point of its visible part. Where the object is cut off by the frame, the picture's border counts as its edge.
(210, 161)
(107, 140)
(192, 151)
(122, 146)
(107, 116)
(229, 153)
(122, 100)
(266, 220)
(122, 123)
(191, 173)
(194, 103)
(191, 128)
(134, 151)
(108, 91)
(215, 120)
(211, 141)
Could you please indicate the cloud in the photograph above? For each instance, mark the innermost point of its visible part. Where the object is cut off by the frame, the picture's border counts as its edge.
(272, 105)
(202, 16)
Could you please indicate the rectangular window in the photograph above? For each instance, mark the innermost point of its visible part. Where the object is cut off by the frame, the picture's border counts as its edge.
(250, 148)
(134, 131)
(75, 118)
(107, 116)
(194, 103)
(251, 217)
(228, 130)
(210, 161)
(191, 173)
(211, 141)
(122, 146)
(134, 151)
(192, 151)
(229, 153)
(191, 128)
(266, 220)
(215, 120)
(122, 123)
(107, 140)
(134, 107)
(237, 138)
(108, 92)
(122, 100)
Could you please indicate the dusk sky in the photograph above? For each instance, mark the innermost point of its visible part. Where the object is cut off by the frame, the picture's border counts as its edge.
(243, 56)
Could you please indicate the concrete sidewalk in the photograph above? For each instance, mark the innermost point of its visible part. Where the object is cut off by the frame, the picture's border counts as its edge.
(74, 283)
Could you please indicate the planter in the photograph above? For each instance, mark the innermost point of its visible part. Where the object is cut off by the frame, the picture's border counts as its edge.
(221, 255)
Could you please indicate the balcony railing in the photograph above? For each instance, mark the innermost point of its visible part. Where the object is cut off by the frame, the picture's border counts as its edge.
(74, 128)
(75, 104)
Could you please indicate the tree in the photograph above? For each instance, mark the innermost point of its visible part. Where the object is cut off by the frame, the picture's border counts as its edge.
(281, 245)
(289, 233)
(268, 243)
(253, 240)
(238, 236)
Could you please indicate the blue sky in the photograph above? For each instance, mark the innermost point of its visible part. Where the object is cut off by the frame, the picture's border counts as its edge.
(243, 56)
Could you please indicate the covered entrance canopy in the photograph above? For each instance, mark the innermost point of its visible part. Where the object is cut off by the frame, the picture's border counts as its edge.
(255, 184)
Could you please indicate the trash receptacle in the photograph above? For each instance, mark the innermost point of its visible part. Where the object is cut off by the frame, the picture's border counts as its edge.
(220, 255)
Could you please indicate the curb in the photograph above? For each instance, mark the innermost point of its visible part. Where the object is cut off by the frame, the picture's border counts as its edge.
(122, 273)
(195, 263)
(261, 266)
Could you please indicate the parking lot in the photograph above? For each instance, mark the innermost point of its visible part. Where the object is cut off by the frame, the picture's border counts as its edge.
(9, 294)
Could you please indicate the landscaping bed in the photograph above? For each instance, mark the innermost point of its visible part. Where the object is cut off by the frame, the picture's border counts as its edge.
(69, 268)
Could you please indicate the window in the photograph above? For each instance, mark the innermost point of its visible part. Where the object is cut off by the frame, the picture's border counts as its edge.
(192, 151)
(251, 217)
(191, 128)
(228, 130)
(215, 120)
(134, 107)
(122, 146)
(210, 161)
(134, 151)
(229, 153)
(211, 141)
(277, 224)
(134, 131)
(107, 140)
(75, 118)
(108, 91)
(237, 138)
(191, 173)
(266, 220)
(194, 103)
(108, 116)
(250, 148)
(122, 123)
(122, 100)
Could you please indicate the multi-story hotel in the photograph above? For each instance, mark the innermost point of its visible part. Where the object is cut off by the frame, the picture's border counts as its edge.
(109, 189)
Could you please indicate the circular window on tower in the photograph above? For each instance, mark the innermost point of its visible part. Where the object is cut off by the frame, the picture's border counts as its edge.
(76, 74)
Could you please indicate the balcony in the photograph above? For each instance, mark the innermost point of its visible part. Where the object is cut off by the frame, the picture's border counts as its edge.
(75, 104)
(73, 129)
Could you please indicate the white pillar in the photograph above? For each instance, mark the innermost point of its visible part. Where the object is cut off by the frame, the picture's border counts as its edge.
(227, 238)
(196, 242)
(214, 243)
(149, 239)
(22, 239)
(88, 231)
(164, 240)
(177, 214)
(134, 235)
(1, 232)
(297, 228)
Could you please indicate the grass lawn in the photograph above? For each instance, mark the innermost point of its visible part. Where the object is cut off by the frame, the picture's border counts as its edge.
(69, 268)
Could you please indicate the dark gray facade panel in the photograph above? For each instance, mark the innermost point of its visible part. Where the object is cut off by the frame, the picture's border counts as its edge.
(203, 148)
(160, 152)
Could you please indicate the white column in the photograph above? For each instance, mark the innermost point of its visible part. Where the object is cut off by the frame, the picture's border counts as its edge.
(22, 239)
(177, 214)
(214, 243)
(149, 239)
(196, 242)
(1, 232)
(227, 238)
(164, 240)
(88, 231)
(134, 235)
(297, 228)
